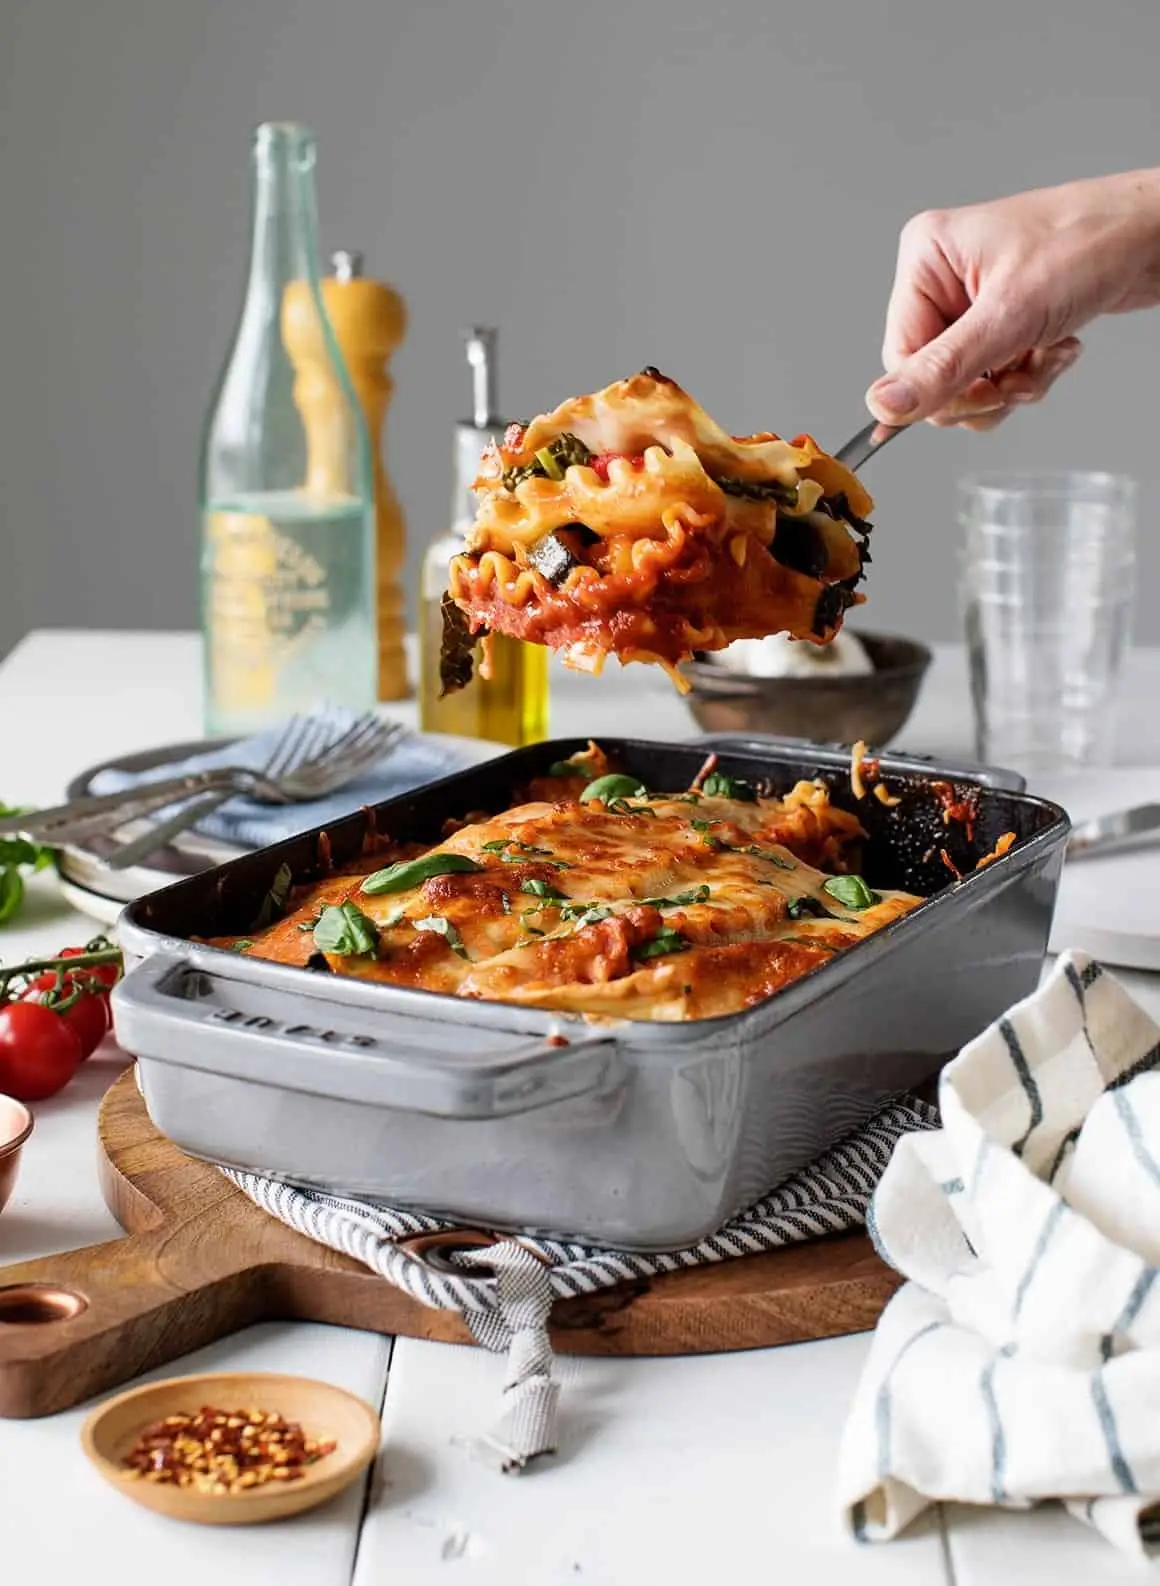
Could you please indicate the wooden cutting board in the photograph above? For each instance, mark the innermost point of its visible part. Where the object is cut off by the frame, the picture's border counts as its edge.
(201, 1261)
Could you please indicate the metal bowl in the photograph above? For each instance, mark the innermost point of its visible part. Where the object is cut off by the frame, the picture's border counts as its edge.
(873, 707)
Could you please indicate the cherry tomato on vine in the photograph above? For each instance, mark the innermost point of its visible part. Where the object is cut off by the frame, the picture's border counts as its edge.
(88, 1015)
(106, 973)
(39, 1052)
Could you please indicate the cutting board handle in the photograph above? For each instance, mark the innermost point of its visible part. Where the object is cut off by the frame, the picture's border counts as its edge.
(78, 1323)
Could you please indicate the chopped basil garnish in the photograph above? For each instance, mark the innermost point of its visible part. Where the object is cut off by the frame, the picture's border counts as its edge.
(444, 928)
(851, 891)
(345, 931)
(623, 807)
(665, 941)
(683, 798)
(413, 872)
(680, 900)
(505, 903)
(542, 889)
(566, 768)
(701, 826)
(764, 853)
(801, 908)
(240, 947)
(613, 786)
(719, 786)
(496, 846)
(274, 903)
(585, 913)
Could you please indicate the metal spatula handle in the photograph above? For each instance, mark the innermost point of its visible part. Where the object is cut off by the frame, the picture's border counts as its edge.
(861, 447)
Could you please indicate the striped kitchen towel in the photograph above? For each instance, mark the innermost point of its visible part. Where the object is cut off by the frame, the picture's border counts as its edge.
(1021, 1362)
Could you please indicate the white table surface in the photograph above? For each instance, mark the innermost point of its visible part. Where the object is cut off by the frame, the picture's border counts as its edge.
(681, 1470)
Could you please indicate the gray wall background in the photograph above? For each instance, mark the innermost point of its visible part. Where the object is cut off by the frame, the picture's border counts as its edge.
(713, 188)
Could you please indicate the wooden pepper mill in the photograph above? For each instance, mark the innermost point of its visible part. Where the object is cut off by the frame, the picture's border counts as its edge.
(369, 320)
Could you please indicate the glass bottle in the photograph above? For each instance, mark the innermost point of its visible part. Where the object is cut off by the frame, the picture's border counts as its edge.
(287, 505)
(512, 705)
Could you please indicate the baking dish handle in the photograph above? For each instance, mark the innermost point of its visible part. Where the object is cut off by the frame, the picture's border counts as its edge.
(168, 1011)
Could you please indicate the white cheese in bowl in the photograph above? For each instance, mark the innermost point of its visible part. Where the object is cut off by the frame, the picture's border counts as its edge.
(780, 656)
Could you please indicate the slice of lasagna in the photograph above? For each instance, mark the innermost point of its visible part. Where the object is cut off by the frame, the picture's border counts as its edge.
(628, 523)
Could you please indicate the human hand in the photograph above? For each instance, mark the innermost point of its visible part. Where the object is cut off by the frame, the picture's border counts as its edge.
(987, 298)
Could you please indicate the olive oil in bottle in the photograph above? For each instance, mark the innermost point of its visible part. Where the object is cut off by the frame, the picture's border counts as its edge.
(511, 706)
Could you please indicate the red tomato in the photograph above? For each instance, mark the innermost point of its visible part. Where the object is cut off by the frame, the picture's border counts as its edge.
(106, 973)
(602, 459)
(89, 1015)
(39, 1053)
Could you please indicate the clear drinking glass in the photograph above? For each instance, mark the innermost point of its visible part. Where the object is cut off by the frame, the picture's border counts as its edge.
(1048, 578)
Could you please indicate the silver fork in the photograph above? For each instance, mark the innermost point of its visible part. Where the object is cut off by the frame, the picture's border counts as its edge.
(303, 766)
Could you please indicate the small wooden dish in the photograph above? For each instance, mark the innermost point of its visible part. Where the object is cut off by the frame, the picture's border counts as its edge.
(322, 1411)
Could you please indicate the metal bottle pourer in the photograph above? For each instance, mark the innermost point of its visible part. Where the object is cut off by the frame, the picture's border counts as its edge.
(485, 425)
(346, 264)
(481, 357)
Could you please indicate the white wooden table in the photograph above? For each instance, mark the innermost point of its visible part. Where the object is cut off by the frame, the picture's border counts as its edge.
(717, 1468)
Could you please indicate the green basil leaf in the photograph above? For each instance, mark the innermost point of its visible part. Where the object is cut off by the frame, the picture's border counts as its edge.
(613, 786)
(623, 807)
(540, 855)
(774, 859)
(566, 768)
(445, 929)
(719, 786)
(804, 908)
(681, 899)
(413, 872)
(665, 941)
(11, 892)
(542, 889)
(851, 891)
(496, 846)
(345, 931)
(274, 903)
(532, 930)
(505, 902)
(240, 947)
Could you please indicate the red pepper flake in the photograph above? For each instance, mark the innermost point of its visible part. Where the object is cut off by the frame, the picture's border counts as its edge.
(223, 1451)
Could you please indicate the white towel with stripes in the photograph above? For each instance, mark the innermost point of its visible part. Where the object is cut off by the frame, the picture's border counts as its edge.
(1021, 1362)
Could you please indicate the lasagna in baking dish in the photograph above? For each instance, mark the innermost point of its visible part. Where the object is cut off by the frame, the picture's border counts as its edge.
(629, 523)
(596, 895)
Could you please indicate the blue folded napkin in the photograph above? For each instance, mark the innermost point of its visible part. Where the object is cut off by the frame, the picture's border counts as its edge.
(417, 759)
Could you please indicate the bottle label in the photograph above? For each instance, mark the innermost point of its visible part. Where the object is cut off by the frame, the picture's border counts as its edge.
(268, 599)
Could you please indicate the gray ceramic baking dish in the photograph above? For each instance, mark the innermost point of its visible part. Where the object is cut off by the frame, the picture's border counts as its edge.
(632, 1134)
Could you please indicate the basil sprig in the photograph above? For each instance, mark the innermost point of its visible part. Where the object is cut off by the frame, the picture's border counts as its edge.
(851, 891)
(413, 872)
(344, 930)
(444, 928)
(566, 768)
(586, 913)
(16, 855)
(613, 786)
(274, 903)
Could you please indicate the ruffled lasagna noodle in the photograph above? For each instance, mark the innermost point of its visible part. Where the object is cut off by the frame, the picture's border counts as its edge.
(629, 523)
(598, 898)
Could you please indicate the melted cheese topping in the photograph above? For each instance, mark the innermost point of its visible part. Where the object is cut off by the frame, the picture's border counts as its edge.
(664, 907)
(671, 563)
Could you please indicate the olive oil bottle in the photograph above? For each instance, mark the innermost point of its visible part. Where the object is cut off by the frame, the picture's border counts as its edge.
(511, 706)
